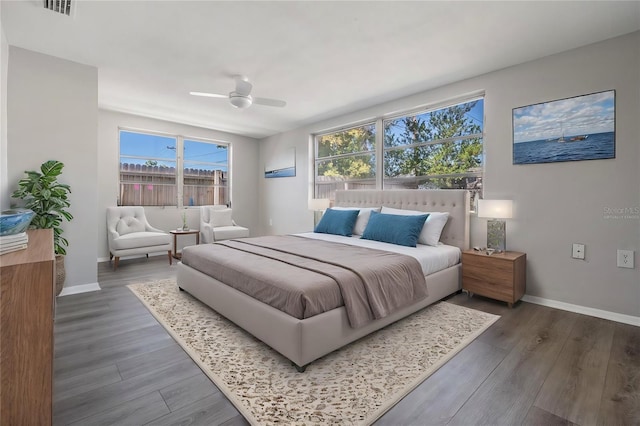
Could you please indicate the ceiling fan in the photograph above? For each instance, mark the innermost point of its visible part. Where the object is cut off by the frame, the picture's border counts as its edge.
(241, 97)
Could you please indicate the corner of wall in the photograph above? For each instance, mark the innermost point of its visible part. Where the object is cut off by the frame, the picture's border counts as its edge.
(4, 66)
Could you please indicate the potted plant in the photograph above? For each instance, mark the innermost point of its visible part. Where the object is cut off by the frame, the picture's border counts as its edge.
(48, 198)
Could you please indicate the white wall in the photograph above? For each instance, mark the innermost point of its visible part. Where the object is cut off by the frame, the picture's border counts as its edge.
(52, 114)
(556, 204)
(244, 174)
(4, 66)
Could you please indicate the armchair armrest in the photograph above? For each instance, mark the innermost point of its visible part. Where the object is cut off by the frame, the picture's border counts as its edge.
(207, 233)
(112, 235)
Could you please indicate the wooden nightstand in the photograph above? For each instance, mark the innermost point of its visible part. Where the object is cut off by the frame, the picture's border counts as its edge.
(501, 276)
(177, 232)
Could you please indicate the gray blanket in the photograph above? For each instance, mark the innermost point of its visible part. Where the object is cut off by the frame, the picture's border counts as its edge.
(372, 283)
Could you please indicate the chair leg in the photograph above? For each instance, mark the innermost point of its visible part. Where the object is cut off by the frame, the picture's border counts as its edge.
(147, 255)
(170, 262)
(110, 256)
(115, 263)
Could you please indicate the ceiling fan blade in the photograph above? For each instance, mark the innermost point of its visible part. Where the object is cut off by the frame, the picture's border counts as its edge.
(269, 102)
(208, 95)
(243, 87)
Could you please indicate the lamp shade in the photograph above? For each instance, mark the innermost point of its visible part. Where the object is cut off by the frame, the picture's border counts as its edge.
(319, 204)
(495, 209)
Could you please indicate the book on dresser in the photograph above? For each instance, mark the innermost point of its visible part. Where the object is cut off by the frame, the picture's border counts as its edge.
(9, 243)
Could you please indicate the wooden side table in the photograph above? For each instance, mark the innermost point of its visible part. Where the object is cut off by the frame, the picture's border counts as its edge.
(177, 232)
(500, 276)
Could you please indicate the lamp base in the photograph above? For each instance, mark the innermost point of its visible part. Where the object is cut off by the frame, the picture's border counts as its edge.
(317, 215)
(496, 235)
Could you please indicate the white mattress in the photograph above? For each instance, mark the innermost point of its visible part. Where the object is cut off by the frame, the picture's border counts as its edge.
(432, 259)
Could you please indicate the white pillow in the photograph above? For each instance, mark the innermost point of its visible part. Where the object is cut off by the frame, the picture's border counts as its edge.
(363, 217)
(432, 228)
(128, 225)
(221, 217)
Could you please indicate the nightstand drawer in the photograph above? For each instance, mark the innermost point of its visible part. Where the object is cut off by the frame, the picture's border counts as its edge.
(500, 276)
(488, 268)
(498, 291)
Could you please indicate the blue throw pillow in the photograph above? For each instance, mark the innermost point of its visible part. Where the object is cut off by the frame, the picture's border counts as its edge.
(394, 229)
(338, 222)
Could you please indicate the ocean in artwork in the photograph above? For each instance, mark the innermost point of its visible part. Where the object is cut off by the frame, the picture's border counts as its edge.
(287, 172)
(574, 148)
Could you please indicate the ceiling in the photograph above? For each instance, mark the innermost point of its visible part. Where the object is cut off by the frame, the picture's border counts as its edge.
(324, 58)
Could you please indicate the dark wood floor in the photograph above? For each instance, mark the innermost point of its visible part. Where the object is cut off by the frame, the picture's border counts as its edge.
(114, 364)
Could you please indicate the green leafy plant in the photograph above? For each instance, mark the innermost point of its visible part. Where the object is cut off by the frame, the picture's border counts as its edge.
(48, 198)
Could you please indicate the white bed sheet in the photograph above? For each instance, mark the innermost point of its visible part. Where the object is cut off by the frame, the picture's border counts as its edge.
(432, 259)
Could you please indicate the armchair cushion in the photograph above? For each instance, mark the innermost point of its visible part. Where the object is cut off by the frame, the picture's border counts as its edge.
(128, 225)
(139, 240)
(221, 218)
(230, 232)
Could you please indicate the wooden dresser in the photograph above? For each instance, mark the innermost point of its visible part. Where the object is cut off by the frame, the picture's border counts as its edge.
(501, 276)
(26, 332)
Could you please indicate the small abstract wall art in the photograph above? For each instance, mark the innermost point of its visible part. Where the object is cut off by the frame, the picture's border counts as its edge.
(571, 129)
(282, 164)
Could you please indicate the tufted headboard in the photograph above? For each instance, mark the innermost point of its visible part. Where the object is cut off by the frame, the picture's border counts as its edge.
(454, 201)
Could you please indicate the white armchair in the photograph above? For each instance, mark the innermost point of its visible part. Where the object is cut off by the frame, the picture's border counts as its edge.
(216, 224)
(129, 233)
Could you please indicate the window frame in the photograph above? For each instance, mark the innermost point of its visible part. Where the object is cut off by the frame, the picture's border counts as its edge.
(179, 161)
(316, 160)
(380, 150)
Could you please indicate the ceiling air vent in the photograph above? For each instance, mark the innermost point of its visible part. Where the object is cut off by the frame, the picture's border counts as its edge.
(60, 6)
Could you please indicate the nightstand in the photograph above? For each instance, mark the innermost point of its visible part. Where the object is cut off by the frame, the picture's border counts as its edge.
(501, 276)
(177, 232)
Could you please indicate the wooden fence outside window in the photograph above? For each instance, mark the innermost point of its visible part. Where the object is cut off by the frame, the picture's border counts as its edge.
(142, 185)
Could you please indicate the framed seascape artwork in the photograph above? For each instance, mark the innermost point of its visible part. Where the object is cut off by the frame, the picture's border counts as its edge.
(572, 129)
(282, 164)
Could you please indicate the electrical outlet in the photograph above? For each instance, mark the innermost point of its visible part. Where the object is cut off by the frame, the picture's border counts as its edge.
(578, 251)
(625, 259)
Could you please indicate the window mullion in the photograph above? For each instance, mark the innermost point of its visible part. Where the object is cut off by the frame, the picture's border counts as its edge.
(180, 171)
(435, 142)
(379, 153)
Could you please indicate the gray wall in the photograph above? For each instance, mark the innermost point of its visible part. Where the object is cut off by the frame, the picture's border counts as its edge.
(52, 114)
(4, 66)
(555, 204)
(244, 175)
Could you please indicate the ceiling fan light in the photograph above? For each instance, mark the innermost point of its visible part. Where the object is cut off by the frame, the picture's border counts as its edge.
(240, 101)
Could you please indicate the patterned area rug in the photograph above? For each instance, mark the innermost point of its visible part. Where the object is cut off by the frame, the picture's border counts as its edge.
(354, 385)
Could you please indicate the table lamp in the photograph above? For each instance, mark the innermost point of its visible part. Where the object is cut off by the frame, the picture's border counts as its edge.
(318, 205)
(496, 228)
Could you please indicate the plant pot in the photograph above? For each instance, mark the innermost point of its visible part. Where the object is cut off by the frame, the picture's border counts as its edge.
(61, 274)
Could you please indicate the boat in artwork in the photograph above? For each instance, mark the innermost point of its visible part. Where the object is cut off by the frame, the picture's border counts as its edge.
(578, 138)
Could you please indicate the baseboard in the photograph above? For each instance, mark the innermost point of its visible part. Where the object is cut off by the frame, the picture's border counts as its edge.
(76, 289)
(158, 253)
(599, 313)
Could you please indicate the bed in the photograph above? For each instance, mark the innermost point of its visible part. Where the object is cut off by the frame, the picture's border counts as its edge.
(303, 340)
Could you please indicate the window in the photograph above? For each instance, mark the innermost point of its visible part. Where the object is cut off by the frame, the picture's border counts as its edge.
(439, 149)
(434, 149)
(167, 170)
(205, 172)
(345, 160)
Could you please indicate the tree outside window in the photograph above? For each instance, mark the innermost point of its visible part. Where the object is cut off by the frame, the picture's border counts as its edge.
(435, 149)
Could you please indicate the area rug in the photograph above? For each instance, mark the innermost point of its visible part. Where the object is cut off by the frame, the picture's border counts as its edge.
(353, 385)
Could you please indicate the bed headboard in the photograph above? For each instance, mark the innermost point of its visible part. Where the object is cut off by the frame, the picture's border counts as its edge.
(454, 201)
